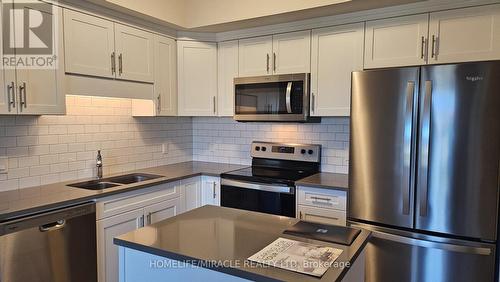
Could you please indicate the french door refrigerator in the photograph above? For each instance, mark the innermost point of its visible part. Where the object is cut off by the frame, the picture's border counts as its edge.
(424, 170)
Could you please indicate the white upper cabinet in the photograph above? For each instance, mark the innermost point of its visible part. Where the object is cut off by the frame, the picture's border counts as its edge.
(255, 56)
(134, 52)
(5, 92)
(227, 67)
(165, 75)
(396, 42)
(470, 34)
(292, 52)
(197, 78)
(336, 52)
(89, 45)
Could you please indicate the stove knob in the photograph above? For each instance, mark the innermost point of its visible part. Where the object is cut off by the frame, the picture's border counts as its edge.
(257, 148)
(264, 149)
(310, 152)
(303, 151)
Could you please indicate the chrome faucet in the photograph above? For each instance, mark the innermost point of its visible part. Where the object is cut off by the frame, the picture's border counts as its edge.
(99, 164)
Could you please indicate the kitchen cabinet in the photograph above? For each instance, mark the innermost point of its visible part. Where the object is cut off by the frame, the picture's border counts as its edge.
(89, 45)
(227, 68)
(276, 54)
(165, 75)
(322, 205)
(32, 90)
(197, 78)
(336, 52)
(292, 52)
(210, 191)
(134, 51)
(102, 48)
(5, 97)
(399, 41)
(461, 35)
(191, 193)
(161, 211)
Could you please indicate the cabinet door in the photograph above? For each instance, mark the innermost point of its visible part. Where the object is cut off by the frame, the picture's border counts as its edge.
(321, 215)
(134, 51)
(292, 52)
(6, 94)
(197, 78)
(191, 193)
(210, 191)
(336, 52)
(41, 91)
(227, 67)
(396, 42)
(255, 56)
(162, 210)
(107, 229)
(166, 76)
(89, 45)
(470, 34)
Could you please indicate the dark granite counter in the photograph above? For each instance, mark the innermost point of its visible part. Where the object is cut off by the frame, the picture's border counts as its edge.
(22, 202)
(213, 233)
(326, 180)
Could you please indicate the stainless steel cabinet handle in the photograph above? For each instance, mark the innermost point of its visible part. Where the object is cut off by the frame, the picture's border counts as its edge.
(267, 63)
(159, 103)
(433, 51)
(22, 95)
(120, 64)
(422, 52)
(11, 95)
(113, 63)
(52, 226)
(140, 221)
(425, 149)
(148, 218)
(313, 102)
(214, 195)
(215, 108)
(300, 215)
(321, 199)
(288, 97)
(274, 61)
(410, 89)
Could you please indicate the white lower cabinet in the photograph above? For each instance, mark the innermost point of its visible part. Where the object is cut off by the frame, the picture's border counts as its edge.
(210, 190)
(162, 211)
(191, 193)
(322, 205)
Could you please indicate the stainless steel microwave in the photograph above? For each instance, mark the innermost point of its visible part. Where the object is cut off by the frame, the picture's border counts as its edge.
(272, 98)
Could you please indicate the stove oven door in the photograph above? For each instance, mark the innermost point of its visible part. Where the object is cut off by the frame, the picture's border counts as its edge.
(266, 198)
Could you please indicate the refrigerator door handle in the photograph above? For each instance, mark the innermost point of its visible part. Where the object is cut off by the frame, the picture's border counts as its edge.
(410, 89)
(425, 150)
(430, 244)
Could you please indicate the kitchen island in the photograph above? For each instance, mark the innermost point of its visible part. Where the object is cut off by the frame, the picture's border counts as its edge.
(213, 243)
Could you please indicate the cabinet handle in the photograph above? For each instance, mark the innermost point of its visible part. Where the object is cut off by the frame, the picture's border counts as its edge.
(214, 195)
(120, 64)
(274, 61)
(215, 109)
(321, 199)
(12, 102)
(22, 95)
(422, 52)
(267, 63)
(113, 63)
(433, 52)
(148, 218)
(159, 103)
(141, 221)
(313, 103)
(300, 215)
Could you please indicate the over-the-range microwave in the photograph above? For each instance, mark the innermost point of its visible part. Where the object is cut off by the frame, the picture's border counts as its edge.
(282, 98)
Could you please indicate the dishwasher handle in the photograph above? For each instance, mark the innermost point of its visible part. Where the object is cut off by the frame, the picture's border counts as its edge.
(52, 226)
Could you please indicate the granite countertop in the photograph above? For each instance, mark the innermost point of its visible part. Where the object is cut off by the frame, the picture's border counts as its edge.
(22, 202)
(213, 233)
(326, 180)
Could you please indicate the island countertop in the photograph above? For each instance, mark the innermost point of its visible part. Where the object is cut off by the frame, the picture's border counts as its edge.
(213, 233)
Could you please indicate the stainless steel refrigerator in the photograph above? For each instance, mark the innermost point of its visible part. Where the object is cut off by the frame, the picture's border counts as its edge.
(424, 170)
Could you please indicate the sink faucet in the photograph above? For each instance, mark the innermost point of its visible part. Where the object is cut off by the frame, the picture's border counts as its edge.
(99, 164)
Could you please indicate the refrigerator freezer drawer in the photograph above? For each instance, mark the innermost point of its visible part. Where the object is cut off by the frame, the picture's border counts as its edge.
(399, 258)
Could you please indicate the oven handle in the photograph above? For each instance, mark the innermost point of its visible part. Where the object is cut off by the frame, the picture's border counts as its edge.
(288, 97)
(258, 186)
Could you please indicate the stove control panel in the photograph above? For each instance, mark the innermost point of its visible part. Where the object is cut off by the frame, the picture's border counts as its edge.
(283, 151)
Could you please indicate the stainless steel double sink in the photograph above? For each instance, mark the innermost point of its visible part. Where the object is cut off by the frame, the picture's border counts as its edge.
(99, 184)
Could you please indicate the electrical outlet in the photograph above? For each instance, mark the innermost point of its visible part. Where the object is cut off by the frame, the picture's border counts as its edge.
(4, 165)
(164, 148)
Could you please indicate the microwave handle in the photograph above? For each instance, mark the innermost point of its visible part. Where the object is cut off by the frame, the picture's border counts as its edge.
(288, 97)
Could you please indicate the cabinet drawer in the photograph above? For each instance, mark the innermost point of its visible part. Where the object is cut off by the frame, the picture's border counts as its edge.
(323, 198)
(321, 215)
(137, 199)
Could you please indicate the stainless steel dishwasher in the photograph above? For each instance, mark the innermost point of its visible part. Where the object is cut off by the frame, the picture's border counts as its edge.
(55, 246)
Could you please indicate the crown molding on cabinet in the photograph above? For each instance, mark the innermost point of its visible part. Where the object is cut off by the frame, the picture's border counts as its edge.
(388, 12)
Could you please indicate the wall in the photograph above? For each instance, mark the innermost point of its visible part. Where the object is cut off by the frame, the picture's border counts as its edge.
(49, 149)
(224, 140)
